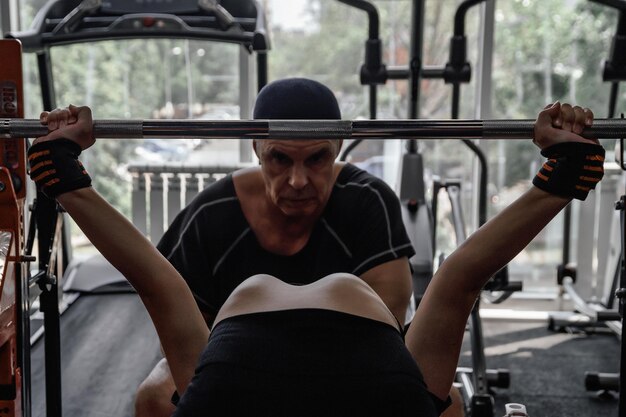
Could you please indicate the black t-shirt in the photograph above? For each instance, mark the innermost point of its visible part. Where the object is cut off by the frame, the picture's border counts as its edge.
(213, 247)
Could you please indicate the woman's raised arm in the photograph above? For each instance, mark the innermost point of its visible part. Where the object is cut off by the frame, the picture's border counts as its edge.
(182, 330)
(573, 168)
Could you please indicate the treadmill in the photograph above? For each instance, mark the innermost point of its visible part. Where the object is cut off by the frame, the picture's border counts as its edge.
(96, 353)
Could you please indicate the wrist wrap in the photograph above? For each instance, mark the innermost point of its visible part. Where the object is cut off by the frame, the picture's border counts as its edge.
(55, 168)
(572, 169)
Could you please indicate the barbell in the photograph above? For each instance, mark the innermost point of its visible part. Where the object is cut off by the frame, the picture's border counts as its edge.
(311, 129)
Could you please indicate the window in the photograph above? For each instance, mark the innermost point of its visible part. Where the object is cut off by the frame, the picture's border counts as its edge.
(537, 59)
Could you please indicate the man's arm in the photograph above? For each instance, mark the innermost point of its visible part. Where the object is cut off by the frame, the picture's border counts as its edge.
(381, 247)
(392, 282)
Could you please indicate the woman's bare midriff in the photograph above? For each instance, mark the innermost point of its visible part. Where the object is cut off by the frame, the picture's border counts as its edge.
(339, 292)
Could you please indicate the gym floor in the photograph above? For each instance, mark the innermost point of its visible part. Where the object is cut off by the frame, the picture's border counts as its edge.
(109, 345)
(547, 368)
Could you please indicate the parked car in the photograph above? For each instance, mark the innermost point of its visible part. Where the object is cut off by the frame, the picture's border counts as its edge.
(163, 150)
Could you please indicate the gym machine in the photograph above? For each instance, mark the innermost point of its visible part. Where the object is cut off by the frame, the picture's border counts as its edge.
(14, 302)
(608, 310)
(62, 22)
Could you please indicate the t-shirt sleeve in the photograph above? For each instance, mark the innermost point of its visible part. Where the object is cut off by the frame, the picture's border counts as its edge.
(380, 235)
(184, 244)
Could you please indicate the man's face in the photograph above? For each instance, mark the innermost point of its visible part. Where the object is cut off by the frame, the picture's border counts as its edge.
(298, 175)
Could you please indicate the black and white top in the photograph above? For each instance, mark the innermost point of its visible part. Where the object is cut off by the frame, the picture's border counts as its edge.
(213, 247)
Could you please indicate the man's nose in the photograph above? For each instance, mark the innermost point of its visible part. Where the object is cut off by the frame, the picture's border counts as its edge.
(298, 177)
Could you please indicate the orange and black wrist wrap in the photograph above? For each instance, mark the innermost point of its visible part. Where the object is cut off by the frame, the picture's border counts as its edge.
(572, 169)
(55, 168)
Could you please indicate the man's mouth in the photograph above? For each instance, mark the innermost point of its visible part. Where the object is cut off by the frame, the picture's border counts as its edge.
(298, 201)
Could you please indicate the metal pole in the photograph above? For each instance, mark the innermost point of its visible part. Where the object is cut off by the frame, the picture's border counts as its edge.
(620, 293)
(261, 64)
(46, 80)
(415, 64)
(312, 129)
(9, 16)
(48, 227)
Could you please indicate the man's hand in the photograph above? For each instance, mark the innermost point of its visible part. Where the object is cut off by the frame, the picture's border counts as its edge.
(559, 123)
(73, 123)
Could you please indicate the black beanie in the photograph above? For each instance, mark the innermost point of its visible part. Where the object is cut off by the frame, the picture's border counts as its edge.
(296, 98)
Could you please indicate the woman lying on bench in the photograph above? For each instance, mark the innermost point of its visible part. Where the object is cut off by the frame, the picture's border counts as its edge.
(330, 348)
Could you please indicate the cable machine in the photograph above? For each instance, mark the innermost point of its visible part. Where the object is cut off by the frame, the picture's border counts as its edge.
(418, 217)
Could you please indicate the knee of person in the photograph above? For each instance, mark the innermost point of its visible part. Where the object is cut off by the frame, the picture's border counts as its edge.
(153, 397)
(456, 409)
(153, 400)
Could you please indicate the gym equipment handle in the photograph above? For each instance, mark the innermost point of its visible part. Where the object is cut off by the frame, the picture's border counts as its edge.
(312, 129)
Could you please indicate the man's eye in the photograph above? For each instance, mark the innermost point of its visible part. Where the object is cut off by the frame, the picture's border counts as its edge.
(279, 157)
(317, 158)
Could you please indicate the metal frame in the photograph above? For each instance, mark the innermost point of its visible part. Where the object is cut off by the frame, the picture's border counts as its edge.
(9, 15)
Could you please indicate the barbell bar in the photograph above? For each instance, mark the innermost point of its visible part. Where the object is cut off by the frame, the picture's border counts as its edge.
(311, 129)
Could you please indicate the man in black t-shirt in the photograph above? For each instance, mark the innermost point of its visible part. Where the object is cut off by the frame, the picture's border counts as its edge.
(223, 237)
(298, 216)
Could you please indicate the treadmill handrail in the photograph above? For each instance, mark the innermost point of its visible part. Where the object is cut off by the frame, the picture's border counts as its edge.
(49, 30)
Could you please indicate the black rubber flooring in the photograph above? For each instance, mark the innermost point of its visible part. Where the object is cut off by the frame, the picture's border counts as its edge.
(547, 369)
(109, 346)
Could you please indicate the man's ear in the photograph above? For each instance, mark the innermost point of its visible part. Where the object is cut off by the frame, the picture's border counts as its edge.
(254, 147)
